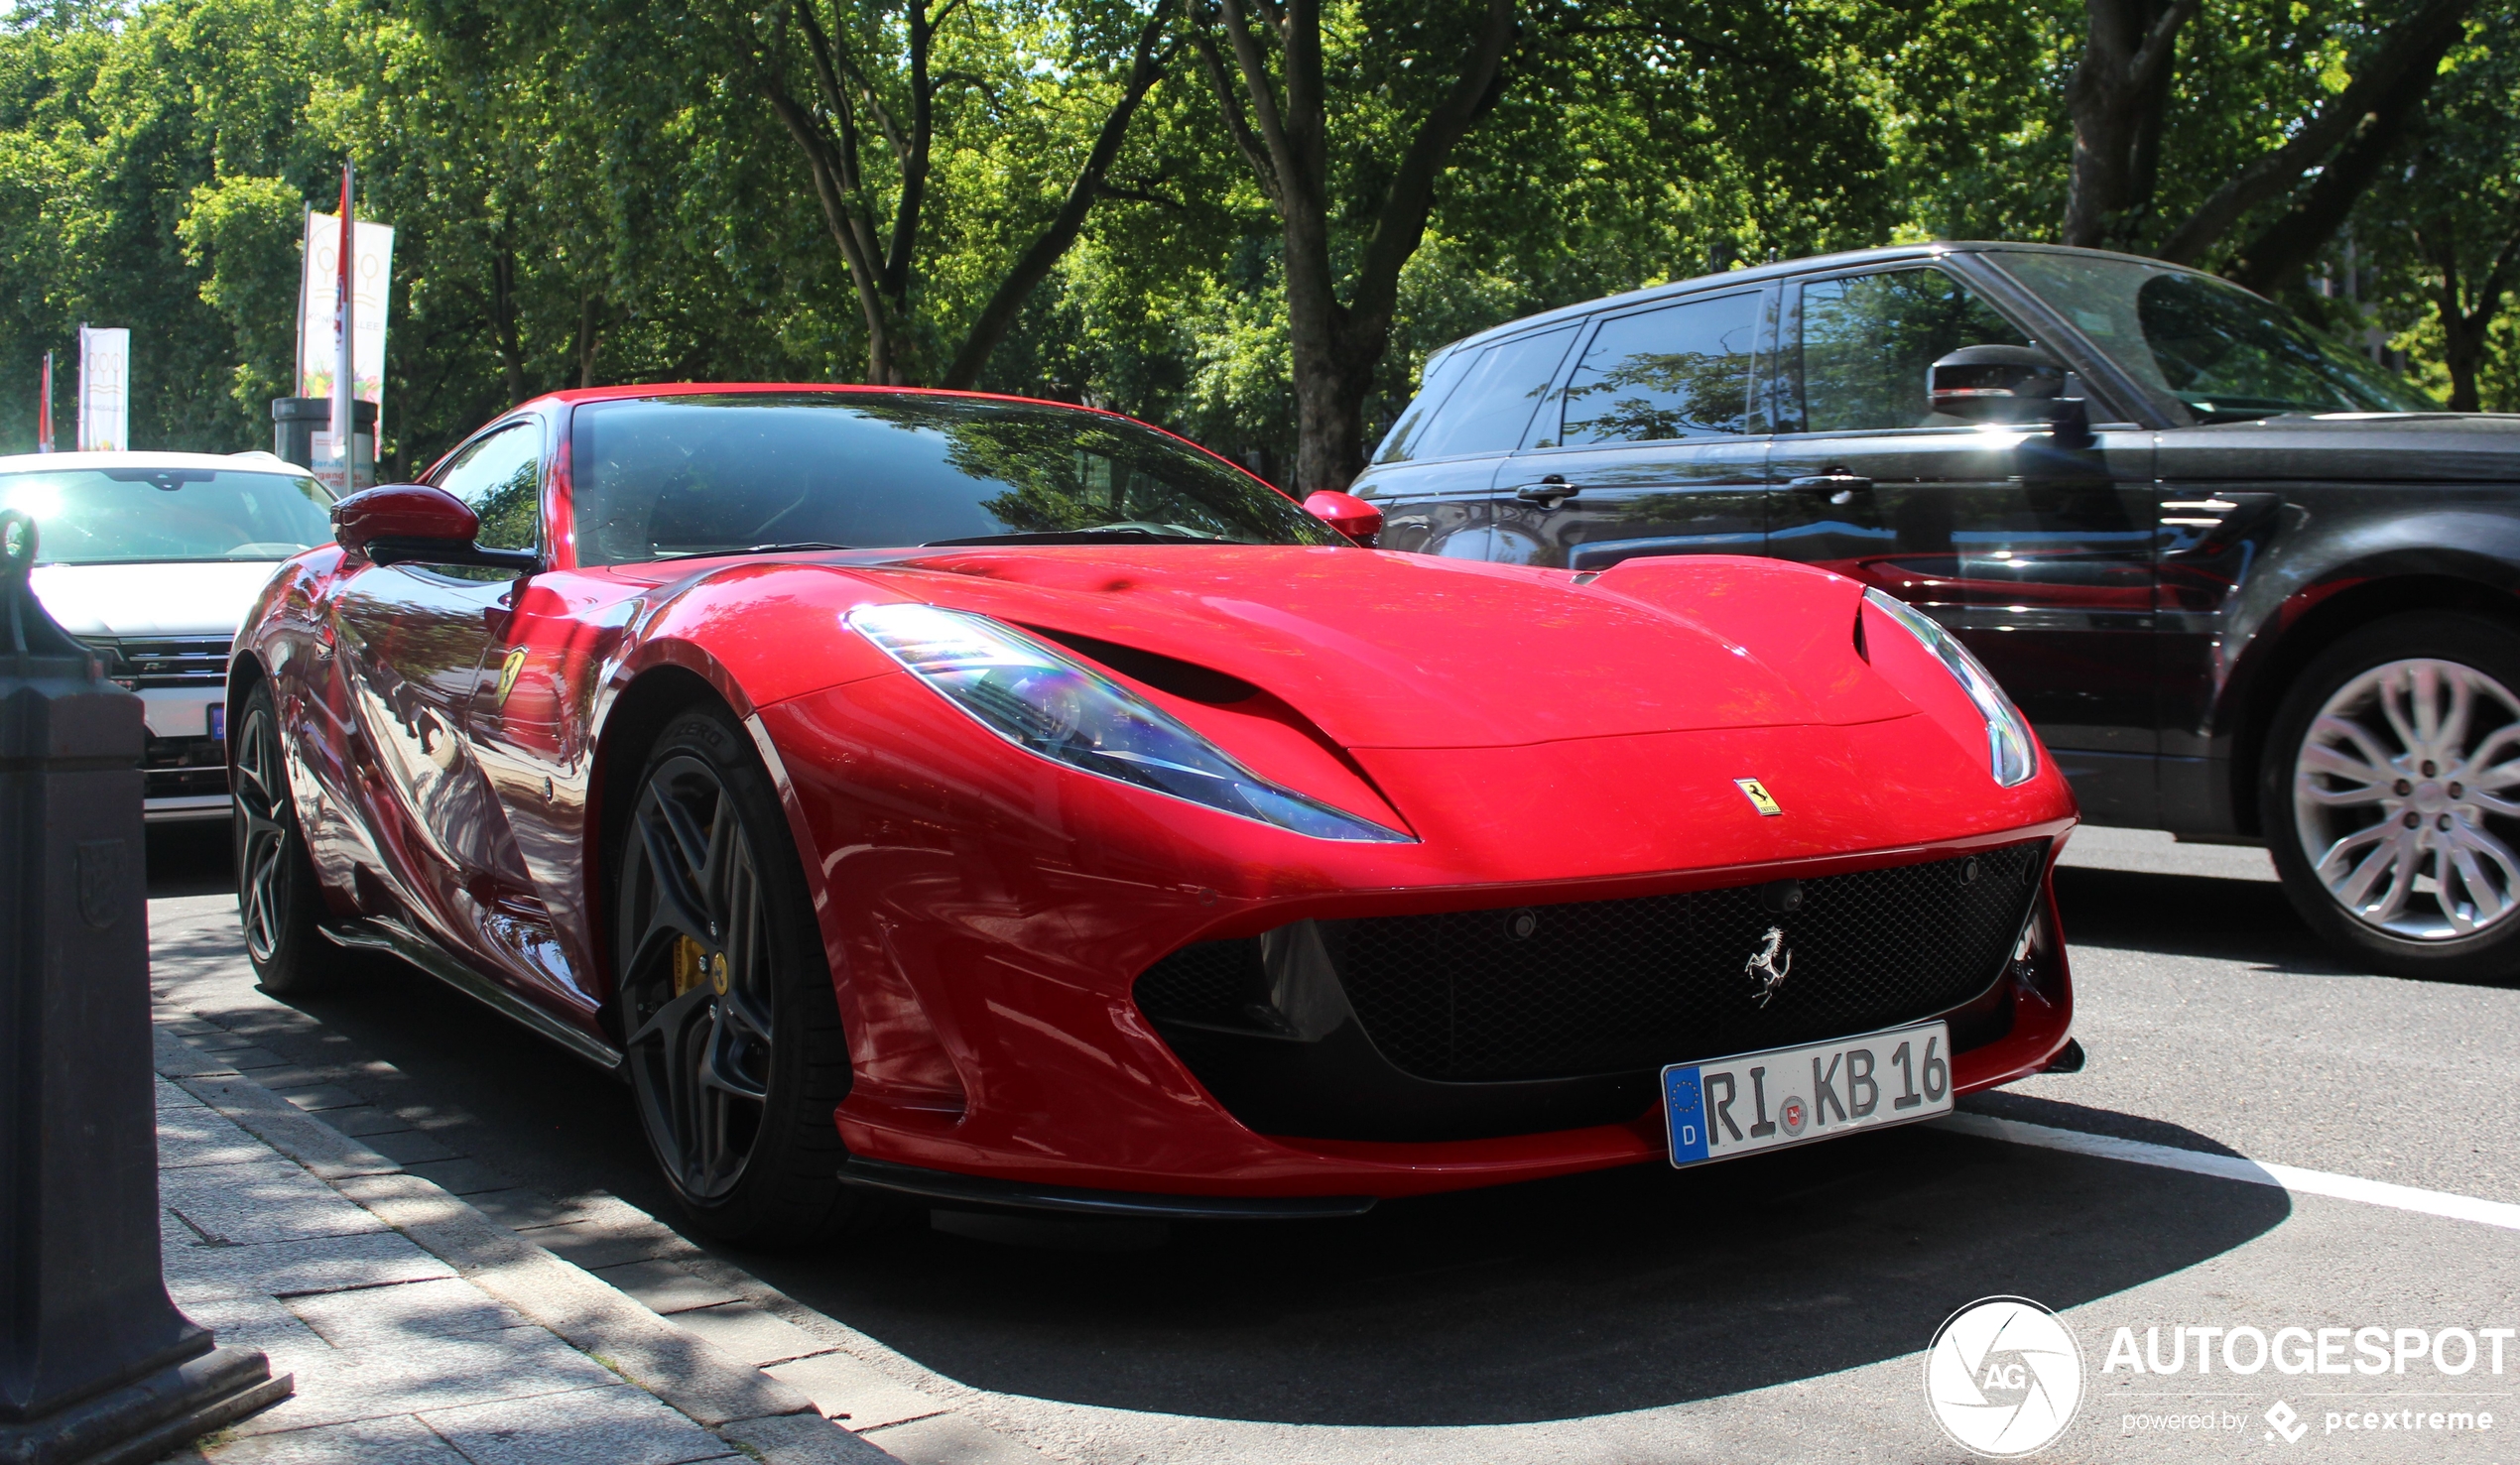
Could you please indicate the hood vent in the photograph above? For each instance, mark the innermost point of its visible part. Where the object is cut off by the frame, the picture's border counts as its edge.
(1185, 679)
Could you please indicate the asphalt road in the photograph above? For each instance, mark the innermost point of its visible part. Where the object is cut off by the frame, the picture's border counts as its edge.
(1766, 1309)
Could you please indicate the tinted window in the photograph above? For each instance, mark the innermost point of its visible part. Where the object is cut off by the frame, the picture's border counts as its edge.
(2220, 351)
(1444, 372)
(1869, 339)
(1676, 372)
(700, 474)
(1499, 388)
(111, 515)
(500, 478)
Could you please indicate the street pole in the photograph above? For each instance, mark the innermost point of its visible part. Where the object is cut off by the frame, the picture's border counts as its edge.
(96, 1365)
(345, 431)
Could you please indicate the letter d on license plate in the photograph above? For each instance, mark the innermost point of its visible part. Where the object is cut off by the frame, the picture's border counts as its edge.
(1730, 1107)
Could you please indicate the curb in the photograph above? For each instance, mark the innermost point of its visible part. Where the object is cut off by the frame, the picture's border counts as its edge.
(751, 1410)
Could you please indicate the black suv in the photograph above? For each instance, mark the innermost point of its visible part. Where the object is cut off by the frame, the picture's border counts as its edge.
(2249, 587)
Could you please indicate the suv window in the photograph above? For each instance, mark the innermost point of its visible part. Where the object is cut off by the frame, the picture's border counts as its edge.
(500, 478)
(1494, 401)
(1677, 372)
(1869, 339)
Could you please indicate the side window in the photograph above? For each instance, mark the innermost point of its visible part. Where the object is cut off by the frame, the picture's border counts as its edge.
(1498, 392)
(500, 478)
(1868, 339)
(1683, 371)
(1443, 374)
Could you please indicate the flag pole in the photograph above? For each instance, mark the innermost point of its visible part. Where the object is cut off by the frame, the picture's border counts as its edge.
(44, 410)
(344, 393)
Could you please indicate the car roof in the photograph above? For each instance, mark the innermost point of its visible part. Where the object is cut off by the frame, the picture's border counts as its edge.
(686, 389)
(1780, 269)
(245, 462)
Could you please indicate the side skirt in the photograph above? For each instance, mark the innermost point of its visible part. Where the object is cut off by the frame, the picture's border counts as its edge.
(371, 934)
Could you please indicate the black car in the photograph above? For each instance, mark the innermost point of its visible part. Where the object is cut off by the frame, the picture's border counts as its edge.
(2250, 586)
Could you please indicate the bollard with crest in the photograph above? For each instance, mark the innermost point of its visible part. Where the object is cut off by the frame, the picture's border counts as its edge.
(96, 1365)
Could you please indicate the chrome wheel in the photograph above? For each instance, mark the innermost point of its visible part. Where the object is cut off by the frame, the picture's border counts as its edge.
(698, 982)
(2403, 799)
(262, 834)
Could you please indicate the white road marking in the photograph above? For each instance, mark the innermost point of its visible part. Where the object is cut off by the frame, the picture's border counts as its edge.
(2236, 1168)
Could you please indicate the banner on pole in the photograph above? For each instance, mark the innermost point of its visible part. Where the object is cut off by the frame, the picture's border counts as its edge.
(104, 389)
(371, 273)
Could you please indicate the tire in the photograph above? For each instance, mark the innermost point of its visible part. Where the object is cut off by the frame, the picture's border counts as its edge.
(277, 899)
(732, 1032)
(2416, 717)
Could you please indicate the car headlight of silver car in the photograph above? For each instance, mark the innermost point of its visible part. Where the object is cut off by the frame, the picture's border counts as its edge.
(1061, 709)
(2012, 753)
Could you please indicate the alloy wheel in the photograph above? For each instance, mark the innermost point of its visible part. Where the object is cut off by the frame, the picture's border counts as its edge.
(697, 983)
(2404, 801)
(262, 842)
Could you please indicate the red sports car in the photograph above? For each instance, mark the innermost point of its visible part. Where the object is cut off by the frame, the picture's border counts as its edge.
(1002, 802)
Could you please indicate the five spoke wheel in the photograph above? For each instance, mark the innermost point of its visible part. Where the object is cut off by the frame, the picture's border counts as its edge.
(698, 984)
(2406, 798)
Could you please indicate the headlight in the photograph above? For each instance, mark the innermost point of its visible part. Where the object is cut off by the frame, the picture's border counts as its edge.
(1045, 703)
(2012, 754)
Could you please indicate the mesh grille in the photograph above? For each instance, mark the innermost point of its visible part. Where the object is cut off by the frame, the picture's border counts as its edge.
(1596, 987)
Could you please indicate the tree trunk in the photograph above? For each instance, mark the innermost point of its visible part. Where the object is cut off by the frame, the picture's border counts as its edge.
(590, 321)
(511, 347)
(1335, 347)
(2416, 42)
(2466, 324)
(2283, 250)
(2118, 98)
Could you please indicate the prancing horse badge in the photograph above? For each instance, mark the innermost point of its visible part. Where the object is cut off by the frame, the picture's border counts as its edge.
(1758, 795)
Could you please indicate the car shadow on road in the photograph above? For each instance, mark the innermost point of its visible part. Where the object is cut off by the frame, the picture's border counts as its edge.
(2192, 915)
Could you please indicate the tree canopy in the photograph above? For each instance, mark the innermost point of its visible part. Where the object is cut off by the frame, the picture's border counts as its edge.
(1248, 220)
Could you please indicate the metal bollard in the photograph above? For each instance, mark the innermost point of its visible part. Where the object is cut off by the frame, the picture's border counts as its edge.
(96, 1365)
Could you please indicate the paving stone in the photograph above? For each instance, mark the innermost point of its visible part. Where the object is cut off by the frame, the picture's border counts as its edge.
(191, 1026)
(619, 1425)
(323, 1264)
(368, 1122)
(209, 1038)
(954, 1439)
(268, 1199)
(196, 1137)
(742, 1330)
(170, 1097)
(462, 1176)
(374, 1317)
(856, 1393)
(398, 1440)
(416, 1374)
(662, 1287)
(408, 1146)
(316, 1098)
(802, 1439)
(521, 1207)
(252, 1322)
(249, 1059)
(595, 1245)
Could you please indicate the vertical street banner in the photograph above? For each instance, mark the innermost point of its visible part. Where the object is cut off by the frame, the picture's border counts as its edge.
(371, 271)
(104, 390)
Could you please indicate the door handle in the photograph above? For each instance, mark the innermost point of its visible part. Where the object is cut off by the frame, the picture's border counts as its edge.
(1549, 492)
(1840, 485)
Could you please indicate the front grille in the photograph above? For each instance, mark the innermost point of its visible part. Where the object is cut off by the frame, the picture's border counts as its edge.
(179, 768)
(1598, 987)
(172, 661)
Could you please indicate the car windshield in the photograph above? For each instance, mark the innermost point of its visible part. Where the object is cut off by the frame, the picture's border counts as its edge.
(143, 515)
(2220, 352)
(660, 476)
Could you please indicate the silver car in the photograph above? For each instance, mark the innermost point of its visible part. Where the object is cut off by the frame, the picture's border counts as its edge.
(152, 559)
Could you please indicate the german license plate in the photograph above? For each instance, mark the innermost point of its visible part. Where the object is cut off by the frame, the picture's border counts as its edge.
(218, 723)
(1730, 1107)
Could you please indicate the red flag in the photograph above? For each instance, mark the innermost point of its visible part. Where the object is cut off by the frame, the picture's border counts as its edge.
(345, 392)
(44, 410)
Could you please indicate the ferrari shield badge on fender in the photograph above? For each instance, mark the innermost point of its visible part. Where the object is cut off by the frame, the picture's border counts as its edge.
(515, 662)
(1757, 793)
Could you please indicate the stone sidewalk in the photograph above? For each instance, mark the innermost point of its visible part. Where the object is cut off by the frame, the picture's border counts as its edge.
(419, 1331)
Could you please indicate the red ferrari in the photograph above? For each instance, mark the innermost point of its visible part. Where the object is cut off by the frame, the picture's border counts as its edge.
(1000, 802)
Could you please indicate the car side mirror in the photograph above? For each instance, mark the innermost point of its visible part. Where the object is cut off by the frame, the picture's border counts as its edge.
(1346, 513)
(2009, 384)
(413, 523)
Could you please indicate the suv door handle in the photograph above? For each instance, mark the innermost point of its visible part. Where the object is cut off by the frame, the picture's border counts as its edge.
(1840, 485)
(1549, 491)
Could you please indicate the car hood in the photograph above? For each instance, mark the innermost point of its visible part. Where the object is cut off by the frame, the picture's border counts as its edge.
(1401, 650)
(205, 598)
(2356, 448)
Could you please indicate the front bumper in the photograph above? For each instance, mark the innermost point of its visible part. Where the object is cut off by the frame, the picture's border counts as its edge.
(987, 931)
